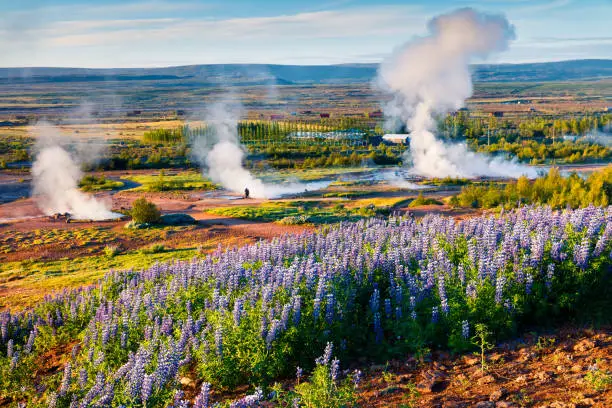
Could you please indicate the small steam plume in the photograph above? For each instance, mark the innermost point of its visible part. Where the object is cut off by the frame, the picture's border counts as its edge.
(55, 177)
(221, 157)
(430, 76)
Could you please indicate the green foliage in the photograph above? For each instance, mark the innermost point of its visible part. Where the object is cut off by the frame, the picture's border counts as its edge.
(182, 181)
(111, 251)
(481, 340)
(154, 249)
(98, 183)
(144, 211)
(553, 190)
(170, 136)
(323, 392)
(597, 378)
(421, 200)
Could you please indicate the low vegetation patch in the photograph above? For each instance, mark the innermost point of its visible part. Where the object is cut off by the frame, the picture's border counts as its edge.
(553, 190)
(190, 181)
(98, 183)
(421, 201)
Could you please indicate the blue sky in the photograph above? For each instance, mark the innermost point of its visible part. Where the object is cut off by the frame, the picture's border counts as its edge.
(149, 33)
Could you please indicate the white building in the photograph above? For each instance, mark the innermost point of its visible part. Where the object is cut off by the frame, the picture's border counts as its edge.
(396, 138)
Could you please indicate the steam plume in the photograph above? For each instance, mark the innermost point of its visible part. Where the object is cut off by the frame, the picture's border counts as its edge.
(430, 76)
(55, 177)
(223, 155)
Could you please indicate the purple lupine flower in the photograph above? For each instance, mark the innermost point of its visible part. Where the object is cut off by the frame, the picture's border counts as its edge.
(329, 308)
(298, 373)
(550, 274)
(147, 388)
(65, 385)
(499, 288)
(388, 308)
(334, 369)
(237, 313)
(52, 400)
(202, 400)
(9, 348)
(297, 305)
(357, 378)
(82, 377)
(470, 290)
(327, 354)
(30, 344)
(528, 283)
(434, 314)
(581, 253)
(219, 342)
(465, 329)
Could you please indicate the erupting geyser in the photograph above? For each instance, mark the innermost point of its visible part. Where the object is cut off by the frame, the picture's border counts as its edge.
(55, 178)
(222, 159)
(430, 76)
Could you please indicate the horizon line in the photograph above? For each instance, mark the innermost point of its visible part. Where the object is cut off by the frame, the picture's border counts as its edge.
(287, 65)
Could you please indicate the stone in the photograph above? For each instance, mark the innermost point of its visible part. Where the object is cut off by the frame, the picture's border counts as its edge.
(497, 394)
(177, 219)
(487, 379)
(485, 404)
(505, 404)
(521, 379)
(576, 368)
(584, 345)
(432, 381)
(543, 376)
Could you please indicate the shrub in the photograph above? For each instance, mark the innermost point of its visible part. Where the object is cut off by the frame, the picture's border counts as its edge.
(294, 220)
(144, 211)
(154, 249)
(420, 200)
(111, 251)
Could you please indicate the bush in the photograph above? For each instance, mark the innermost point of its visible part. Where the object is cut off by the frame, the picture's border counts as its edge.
(294, 220)
(144, 211)
(420, 200)
(111, 251)
(154, 249)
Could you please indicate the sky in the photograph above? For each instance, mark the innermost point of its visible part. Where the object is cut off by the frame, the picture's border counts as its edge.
(156, 33)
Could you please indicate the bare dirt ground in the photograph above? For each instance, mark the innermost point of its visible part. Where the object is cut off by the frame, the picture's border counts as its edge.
(555, 370)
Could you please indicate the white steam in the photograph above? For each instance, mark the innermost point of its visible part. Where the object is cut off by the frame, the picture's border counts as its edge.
(55, 177)
(430, 76)
(222, 158)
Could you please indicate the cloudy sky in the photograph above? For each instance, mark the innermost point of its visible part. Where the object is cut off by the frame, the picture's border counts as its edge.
(149, 33)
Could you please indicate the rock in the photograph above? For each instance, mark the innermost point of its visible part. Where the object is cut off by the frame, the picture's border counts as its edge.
(543, 376)
(576, 368)
(453, 404)
(584, 345)
(485, 404)
(487, 379)
(521, 379)
(561, 404)
(497, 394)
(471, 360)
(432, 381)
(177, 219)
(505, 404)
(526, 355)
(495, 357)
(186, 381)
